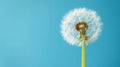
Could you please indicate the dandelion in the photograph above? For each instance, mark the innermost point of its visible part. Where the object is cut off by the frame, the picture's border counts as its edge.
(80, 27)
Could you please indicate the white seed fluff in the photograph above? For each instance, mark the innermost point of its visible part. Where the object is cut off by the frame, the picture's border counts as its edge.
(71, 35)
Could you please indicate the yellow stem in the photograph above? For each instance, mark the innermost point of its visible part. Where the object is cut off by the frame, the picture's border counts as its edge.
(83, 54)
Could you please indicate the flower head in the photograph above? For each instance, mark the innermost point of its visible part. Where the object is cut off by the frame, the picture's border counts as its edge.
(90, 22)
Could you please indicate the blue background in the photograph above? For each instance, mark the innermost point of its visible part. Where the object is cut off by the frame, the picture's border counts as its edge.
(30, 34)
